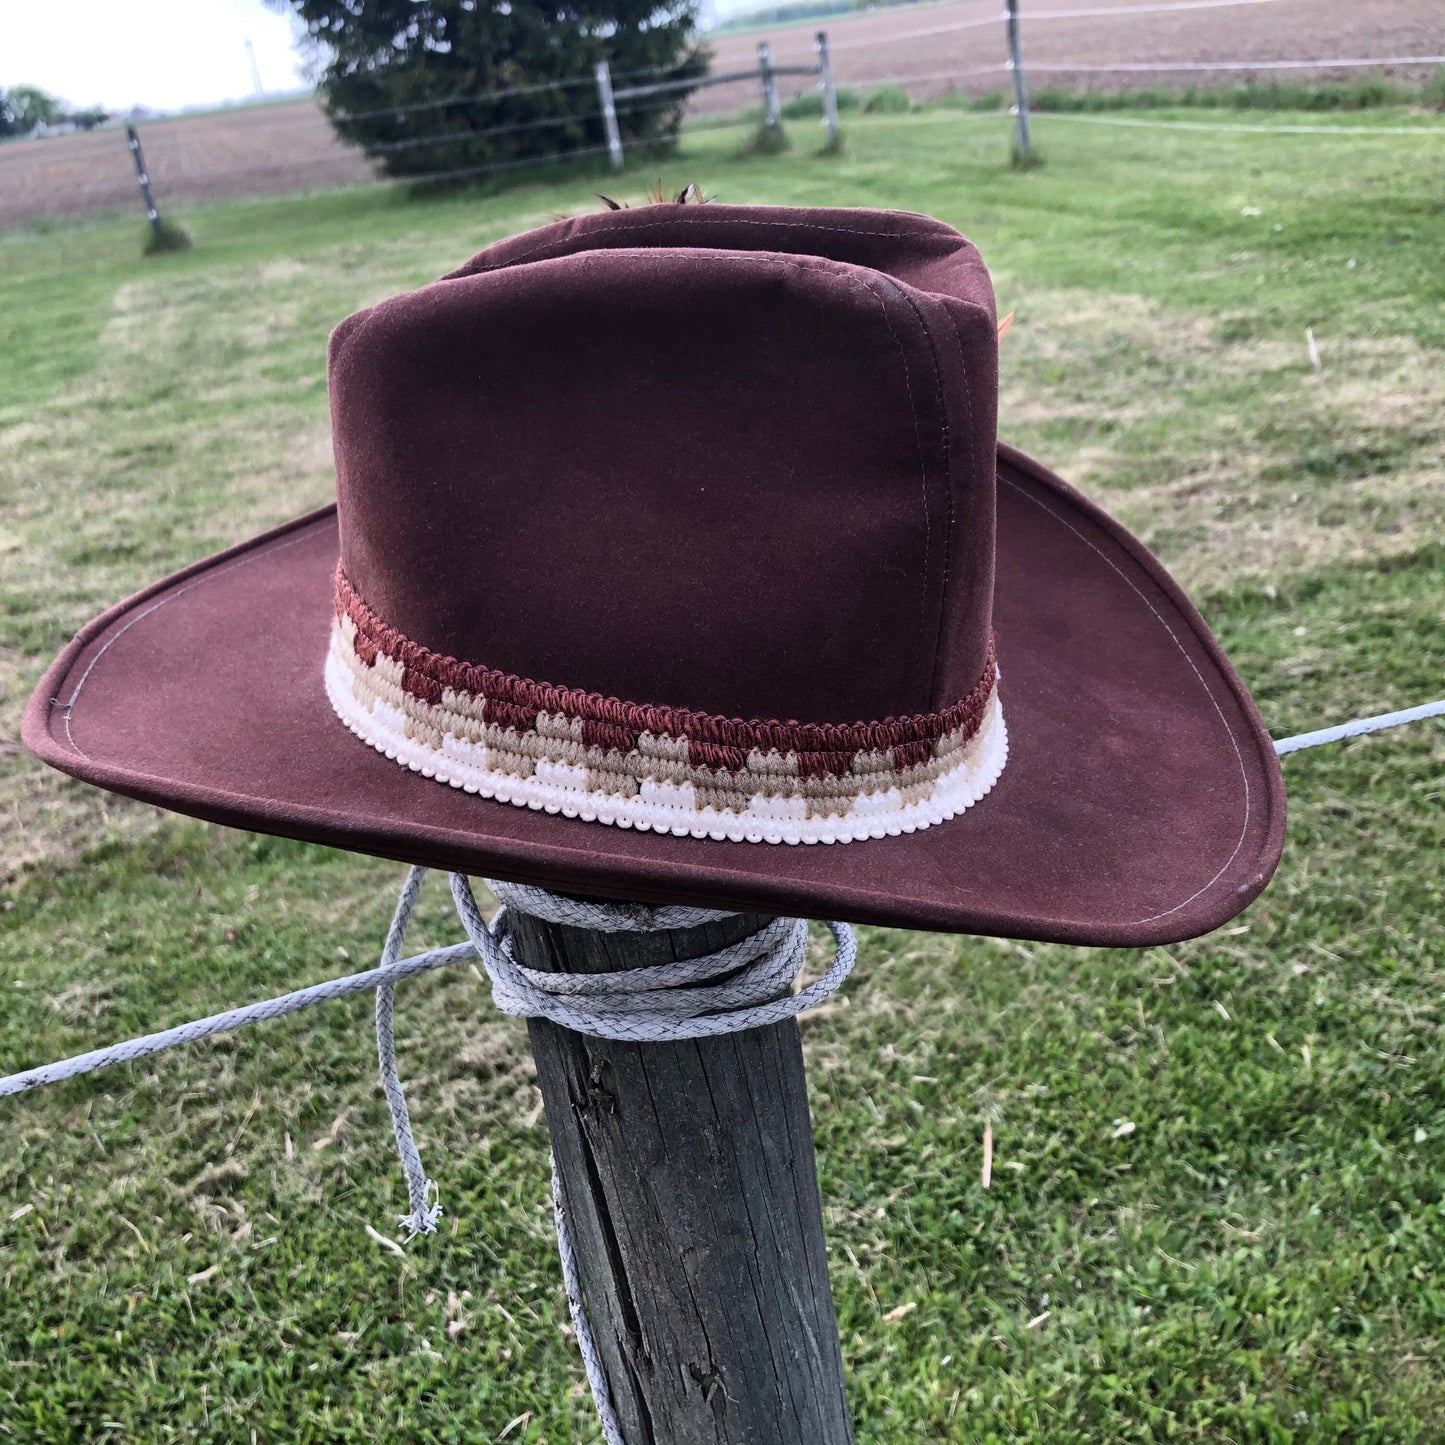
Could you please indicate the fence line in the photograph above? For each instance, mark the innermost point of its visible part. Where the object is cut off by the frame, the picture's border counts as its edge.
(874, 42)
(627, 107)
(1141, 9)
(444, 137)
(505, 93)
(984, 21)
(1000, 68)
(475, 99)
(1435, 132)
(120, 189)
(766, 72)
(705, 125)
(1145, 66)
(551, 158)
(627, 96)
(465, 171)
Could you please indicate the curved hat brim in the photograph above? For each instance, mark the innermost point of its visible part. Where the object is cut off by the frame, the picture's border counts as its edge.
(1141, 803)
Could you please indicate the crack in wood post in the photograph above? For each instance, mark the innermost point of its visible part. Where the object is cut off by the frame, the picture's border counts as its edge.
(691, 1185)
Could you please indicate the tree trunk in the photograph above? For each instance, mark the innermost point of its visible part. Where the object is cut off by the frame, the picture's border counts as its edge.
(689, 1178)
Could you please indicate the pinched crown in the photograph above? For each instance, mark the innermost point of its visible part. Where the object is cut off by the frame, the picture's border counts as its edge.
(728, 463)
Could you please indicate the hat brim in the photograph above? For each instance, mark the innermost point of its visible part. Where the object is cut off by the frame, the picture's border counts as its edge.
(1141, 803)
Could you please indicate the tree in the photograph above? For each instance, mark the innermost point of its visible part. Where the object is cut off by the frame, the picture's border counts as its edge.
(416, 83)
(88, 119)
(25, 108)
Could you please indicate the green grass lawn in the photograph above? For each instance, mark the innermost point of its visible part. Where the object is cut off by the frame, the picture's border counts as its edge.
(183, 1242)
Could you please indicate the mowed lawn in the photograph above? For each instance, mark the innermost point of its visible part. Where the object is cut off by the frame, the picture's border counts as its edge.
(1216, 1208)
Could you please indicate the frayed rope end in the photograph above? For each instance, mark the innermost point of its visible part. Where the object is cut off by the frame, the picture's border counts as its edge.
(423, 1219)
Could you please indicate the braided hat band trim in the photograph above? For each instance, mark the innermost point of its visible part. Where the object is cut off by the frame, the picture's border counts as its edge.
(657, 768)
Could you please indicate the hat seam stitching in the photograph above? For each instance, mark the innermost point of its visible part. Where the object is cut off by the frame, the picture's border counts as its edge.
(973, 445)
(942, 407)
(68, 706)
(973, 438)
(1199, 677)
(922, 472)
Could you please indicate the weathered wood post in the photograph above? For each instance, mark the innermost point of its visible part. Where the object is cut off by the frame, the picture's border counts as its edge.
(1021, 95)
(609, 114)
(772, 112)
(689, 1177)
(825, 84)
(147, 199)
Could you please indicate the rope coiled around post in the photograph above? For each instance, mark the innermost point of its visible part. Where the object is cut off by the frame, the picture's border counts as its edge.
(744, 985)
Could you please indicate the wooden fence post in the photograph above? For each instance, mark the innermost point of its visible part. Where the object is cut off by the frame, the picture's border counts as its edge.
(609, 114)
(1021, 95)
(689, 1178)
(825, 82)
(152, 215)
(772, 113)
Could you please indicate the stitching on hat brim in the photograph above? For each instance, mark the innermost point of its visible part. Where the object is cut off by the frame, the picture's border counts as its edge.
(68, 705)
(1194, 667)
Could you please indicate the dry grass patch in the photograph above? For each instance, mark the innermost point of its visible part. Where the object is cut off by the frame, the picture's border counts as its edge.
(1234, 459)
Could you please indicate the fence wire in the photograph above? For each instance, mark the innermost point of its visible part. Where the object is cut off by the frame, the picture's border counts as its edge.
(294, 171)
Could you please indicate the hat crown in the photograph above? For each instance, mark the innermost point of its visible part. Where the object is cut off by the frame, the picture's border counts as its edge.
(731, 459)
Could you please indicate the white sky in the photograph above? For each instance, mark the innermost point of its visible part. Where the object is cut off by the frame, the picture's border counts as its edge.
(165, 54)
(159, 53)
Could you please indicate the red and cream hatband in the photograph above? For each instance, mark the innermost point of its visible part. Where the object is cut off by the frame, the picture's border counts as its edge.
(664, 769)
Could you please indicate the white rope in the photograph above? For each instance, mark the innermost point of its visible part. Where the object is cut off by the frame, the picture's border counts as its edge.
(523, 987)
(742, 986)
(615, 917)
(232, 1019)
(422, 1193)
(649, 1005)
(586, 1344)
(1359, 727)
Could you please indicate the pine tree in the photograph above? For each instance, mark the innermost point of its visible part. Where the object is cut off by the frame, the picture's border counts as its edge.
(416, 83)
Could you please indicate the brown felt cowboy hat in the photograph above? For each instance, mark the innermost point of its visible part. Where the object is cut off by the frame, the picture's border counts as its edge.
(674, 558)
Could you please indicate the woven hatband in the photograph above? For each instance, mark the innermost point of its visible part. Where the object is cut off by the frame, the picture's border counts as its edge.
(664, 769)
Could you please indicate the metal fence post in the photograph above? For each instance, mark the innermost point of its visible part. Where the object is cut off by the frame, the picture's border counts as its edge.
(609, 114)
(152, 215)
(772, 115)
(825, 84)
(1021, 95)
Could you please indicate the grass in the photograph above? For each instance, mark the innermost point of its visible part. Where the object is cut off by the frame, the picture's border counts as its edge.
(165, 238)
(182, 1241)
(1363, 93)
(766, 140)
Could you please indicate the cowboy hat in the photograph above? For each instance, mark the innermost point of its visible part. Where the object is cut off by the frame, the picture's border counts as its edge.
(674, 558)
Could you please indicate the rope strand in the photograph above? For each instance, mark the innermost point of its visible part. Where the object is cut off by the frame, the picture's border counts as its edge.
(525, 899)
(1377, 723)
